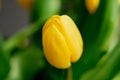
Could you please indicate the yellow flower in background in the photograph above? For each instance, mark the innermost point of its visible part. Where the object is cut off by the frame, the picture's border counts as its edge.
(92, 5)
(26, 4)
(62, 41)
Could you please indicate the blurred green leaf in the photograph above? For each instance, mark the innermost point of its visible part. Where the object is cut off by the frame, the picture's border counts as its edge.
(117, 77)
(14, 41)
(106, 70)
(43, 9)
(96, 30)
(26, 63)
(4, 62)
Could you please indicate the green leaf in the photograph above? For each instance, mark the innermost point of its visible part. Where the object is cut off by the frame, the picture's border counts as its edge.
(12, 42)
(107, 69)
(43, 9)
(96, 30)
(4, 62)
(26, 63)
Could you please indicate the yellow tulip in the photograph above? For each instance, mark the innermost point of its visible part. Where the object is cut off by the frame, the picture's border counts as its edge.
(62, 41)
(26, 4)
(92, 5)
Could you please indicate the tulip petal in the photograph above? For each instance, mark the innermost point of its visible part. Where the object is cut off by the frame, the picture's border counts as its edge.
(55, 47)
(62, 41)
(73, 37)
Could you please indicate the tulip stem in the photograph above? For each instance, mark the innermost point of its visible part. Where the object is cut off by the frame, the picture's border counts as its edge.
(69, 74)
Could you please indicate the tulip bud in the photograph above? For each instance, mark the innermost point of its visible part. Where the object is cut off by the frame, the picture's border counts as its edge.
(92, 5)
(62, 41)
(26, 4)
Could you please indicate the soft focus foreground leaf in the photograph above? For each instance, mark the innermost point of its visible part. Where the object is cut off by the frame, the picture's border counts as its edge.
(4, 62)
(15, 40)
(96, 30)
(117, 77)
(107, 69)
(26, 63)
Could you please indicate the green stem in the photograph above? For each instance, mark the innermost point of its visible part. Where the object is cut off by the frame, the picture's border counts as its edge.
(69, 74)
(18, 37)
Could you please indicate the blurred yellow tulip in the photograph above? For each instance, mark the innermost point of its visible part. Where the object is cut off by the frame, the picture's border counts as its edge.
(62, 41)
(92, 5)
(26, 4)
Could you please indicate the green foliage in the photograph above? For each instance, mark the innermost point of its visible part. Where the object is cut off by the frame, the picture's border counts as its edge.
(97, 30)
(4, 62)
(43, 9)
(97, 63)
(25, 63)
(106, 69)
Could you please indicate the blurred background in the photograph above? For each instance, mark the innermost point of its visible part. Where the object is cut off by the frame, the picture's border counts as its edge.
(12, 17)
(21, 52)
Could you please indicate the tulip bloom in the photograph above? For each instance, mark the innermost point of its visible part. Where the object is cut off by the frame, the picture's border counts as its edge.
(62, 41)
(92, 5)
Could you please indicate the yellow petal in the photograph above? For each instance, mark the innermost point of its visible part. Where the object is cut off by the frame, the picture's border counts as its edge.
(62, 41)
(56, 49)
(73, 37)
